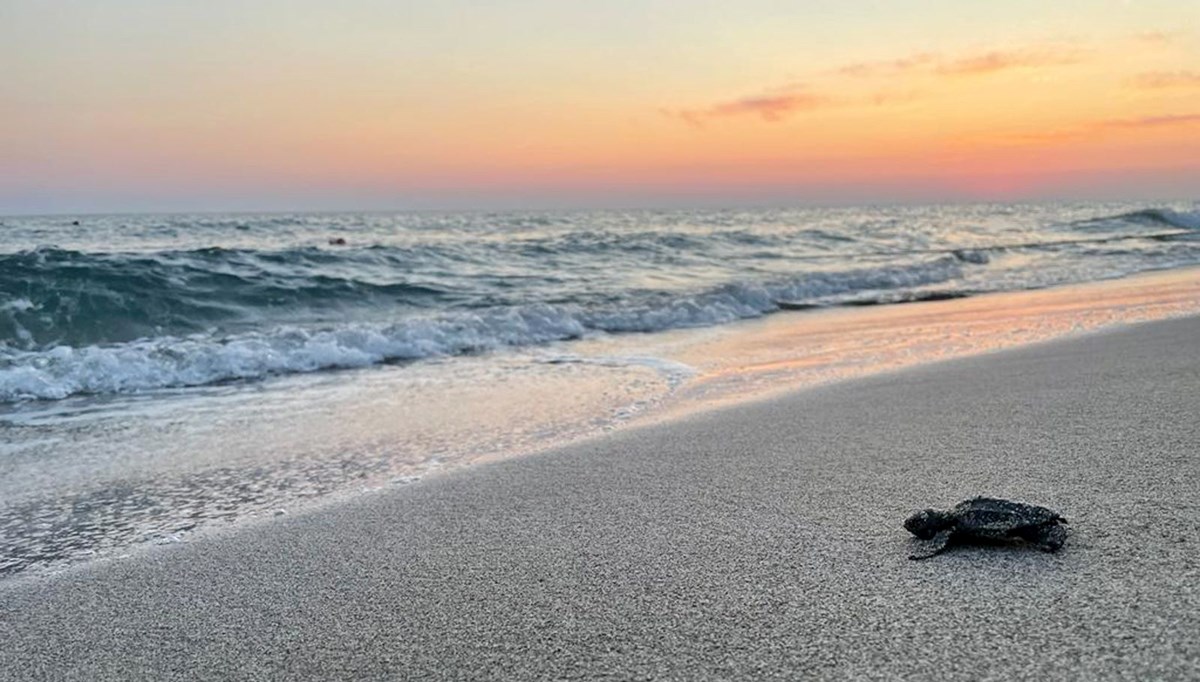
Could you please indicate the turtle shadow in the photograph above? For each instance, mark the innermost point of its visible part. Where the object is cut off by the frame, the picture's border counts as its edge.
(983, 548)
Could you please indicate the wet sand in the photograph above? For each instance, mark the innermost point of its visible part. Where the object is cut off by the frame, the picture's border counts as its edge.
(761, 540)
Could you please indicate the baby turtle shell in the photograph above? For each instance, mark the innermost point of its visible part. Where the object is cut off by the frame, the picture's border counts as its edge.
(986, 519)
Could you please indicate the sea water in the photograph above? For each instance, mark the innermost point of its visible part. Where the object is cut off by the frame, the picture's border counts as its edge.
(160, 373)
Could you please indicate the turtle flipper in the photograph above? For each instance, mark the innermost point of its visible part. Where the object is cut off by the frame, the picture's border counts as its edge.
(934, 546)
(1048, 538)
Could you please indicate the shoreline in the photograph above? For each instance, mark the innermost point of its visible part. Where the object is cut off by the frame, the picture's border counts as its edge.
(796, 350)
(761, 539)
(332, 439)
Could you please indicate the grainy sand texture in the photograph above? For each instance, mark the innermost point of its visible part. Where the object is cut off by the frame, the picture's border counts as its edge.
(762, 540)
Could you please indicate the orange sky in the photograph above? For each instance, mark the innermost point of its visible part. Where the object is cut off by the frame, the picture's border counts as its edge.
(137, 106)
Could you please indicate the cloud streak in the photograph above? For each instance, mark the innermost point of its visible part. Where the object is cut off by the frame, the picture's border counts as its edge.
(1155, 37)
(967, 65)
(1151, 121)
(1095, 128)
(770, 108)
(888, 67)
(992, 62)
(777, 104)
(1162, 80)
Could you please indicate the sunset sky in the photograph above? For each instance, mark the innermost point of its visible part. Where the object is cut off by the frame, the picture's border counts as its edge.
(132, 105)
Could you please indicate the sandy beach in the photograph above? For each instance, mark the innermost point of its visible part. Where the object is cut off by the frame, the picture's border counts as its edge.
(627, 341)
(762, 540)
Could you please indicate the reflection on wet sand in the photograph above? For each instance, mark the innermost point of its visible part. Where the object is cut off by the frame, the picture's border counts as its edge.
(789, 351)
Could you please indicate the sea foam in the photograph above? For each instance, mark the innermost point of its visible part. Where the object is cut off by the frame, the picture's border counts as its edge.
(200, 359)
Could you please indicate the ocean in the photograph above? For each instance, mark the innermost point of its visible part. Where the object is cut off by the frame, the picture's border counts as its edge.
(131, 304)
(163, 373)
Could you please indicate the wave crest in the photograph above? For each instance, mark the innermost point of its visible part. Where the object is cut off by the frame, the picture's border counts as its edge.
(201, 359)
(77, 299)
(1185, 220)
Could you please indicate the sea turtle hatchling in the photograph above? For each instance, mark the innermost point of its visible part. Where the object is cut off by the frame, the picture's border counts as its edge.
(989, 520)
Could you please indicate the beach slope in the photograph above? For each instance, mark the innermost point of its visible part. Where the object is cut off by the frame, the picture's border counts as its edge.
(763, 540)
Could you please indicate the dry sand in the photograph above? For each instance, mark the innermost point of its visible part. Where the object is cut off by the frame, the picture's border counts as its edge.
(762, 540)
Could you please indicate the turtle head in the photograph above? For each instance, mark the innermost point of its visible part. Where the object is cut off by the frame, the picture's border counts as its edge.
(928, 523)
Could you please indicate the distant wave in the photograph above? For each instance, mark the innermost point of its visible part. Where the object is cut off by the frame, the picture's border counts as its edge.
(1186, 220)
(200, 359)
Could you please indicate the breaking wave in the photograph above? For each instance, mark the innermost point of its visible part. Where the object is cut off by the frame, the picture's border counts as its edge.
(77, 319)
(200, 359)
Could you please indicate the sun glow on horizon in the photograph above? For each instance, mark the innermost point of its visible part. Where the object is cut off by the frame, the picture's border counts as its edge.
(533, 103)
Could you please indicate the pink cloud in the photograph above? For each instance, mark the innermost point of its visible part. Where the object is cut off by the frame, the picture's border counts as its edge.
(778, 103)
(771, 108)
(991, 62)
